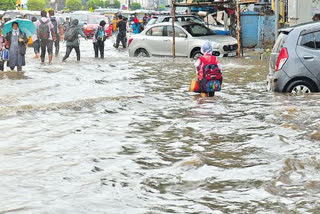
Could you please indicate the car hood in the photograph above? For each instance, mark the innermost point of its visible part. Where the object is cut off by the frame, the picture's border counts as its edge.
(218, 39)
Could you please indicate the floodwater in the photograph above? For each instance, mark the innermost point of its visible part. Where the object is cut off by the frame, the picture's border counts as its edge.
(123, 135)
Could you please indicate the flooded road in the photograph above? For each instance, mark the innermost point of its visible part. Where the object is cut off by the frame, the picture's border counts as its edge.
(123, 135)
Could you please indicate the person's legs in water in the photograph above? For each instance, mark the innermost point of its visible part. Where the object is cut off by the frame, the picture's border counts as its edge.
(77, 48)
(69, 49)
(12, 68)
(36, 48)
(124, 40)
(43, 46)
(95, 47)
(50, 50)
(57, 46)
(117, 41)
(101, 49)
(19, 68)
(1, 65)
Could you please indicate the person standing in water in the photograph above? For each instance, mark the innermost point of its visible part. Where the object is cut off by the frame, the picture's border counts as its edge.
(44, 35)
(58, 32)
(35, 41)
(17, 44)
(2, 46)
(209, 73)
(122, 35)
(72, 38)
(98, 40)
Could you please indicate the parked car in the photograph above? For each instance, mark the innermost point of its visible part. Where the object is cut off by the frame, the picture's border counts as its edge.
(295, 60)
(156, 40)
(93, 24)
(179, 18)
(82, 17)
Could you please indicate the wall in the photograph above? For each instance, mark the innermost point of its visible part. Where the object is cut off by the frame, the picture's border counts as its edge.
(257, 30)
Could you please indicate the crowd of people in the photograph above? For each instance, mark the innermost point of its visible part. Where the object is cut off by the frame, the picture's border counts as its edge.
(50, 32)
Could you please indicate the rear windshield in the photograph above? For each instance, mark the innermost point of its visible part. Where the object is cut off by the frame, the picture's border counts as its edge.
(152, 21)
(279, 43)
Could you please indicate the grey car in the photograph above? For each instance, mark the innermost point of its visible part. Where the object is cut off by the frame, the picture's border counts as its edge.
(156, 40)
(295, 60)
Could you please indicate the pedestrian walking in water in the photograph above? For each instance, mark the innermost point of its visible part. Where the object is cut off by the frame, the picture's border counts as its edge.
(209, 73)
(122, 35)
(99, 39)
(17, 44)
(66, 24)
(45, 36)
(72, 38)
(2, 46)
(57, 29)
(35, 41)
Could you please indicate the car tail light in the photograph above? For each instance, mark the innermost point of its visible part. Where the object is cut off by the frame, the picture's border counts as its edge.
(282, 59)
(130, 40)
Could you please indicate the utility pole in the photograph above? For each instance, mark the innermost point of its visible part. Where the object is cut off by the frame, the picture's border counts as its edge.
(276, 23)
(173, 29)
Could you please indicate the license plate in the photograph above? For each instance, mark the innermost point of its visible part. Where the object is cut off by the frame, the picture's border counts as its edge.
(232, 54)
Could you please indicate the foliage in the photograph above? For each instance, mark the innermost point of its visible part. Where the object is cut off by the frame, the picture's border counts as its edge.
(135, 6)
(116, 4)
(36, 4)
(7, 4)
(94, 4)
(161, 7)
(73, 5)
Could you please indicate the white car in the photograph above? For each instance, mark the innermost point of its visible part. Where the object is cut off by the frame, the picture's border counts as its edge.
(156, 40)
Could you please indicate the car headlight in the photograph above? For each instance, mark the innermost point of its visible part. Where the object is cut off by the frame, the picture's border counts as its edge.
(215, 46)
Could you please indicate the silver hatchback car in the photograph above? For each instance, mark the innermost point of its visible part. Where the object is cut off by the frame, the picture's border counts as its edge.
(295, 60)
(156, 40)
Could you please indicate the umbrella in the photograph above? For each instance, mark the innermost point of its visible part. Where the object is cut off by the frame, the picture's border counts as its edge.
(25, 25)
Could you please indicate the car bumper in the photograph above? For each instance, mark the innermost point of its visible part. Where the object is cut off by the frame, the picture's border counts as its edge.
(277, 81)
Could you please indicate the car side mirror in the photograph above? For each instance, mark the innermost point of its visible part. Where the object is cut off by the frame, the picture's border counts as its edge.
(183, 35)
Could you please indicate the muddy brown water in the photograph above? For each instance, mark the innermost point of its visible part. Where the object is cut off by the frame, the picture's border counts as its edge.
(123, 135)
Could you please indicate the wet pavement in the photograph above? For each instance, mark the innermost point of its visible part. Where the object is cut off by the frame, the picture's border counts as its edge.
(123, 135)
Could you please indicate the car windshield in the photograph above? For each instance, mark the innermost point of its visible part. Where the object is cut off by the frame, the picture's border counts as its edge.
(197, 30)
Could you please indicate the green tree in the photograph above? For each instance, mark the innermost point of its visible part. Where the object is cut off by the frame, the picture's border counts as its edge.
(116, 4)
(36, 4)
(73, 5)
(7, 4)
(135, 6)
(161, 7)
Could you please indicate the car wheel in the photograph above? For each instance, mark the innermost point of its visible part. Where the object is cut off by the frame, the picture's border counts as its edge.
(300, 87)
(141, 53)
(196, 54)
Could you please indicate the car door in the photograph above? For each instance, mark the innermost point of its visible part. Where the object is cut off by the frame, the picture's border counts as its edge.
(181, 41)
(154, 41)
(308, 50)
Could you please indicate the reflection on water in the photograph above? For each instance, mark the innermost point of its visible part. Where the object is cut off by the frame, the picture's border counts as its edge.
(124, 135)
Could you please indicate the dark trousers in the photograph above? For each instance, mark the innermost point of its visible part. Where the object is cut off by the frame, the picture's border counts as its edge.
(122, 37)
(1, 65)
(57, 45)
(98, 46)
(19, 68)
(36, 46)
(45, 45)
(69, 49)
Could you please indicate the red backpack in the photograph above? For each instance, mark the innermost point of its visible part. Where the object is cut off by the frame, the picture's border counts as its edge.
(210, 75)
